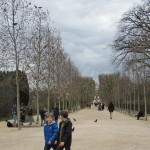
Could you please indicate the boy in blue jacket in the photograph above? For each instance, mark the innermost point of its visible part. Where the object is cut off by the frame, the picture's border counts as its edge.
(50, 132)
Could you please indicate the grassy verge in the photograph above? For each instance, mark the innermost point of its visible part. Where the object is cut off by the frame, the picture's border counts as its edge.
(3, 118)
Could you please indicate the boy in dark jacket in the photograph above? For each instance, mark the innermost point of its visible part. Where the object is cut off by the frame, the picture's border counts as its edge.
(50, 132)
(65, 132)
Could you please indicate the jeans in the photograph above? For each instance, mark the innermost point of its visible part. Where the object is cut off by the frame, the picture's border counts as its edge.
(61, 148)
(15, 118)
(42, 121)
(48, 147)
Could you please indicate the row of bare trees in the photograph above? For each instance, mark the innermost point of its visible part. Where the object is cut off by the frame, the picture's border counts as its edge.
(130, 88)
(127, 93)
(29, 43)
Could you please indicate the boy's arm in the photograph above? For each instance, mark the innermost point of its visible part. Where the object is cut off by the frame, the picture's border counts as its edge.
(44, 133)
(58, 135)
(68, 133)
(54, 136)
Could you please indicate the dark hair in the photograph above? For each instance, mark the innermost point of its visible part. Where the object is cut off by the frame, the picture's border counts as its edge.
(64, 114)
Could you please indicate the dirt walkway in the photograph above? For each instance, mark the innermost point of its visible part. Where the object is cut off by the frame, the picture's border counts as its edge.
(120, 133)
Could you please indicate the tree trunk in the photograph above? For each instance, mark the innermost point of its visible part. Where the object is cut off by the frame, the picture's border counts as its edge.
(134, 99)
(59, 105)
(48, 99)
(130, 104)
(18, 95)
(138, 96)
(63, 104)
(145, 102)
(37, 101)
(17, 71)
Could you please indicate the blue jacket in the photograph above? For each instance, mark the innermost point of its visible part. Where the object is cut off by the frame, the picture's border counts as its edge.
(50, 132)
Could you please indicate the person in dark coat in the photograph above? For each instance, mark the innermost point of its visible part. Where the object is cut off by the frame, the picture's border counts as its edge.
(22, 117)
(22, 110)
(50, 132)
(140, 114)
(64, 139)
(103, 106)
(111, 109)
(100, 107)
(42, 114)
(56, 113)
(30, 116)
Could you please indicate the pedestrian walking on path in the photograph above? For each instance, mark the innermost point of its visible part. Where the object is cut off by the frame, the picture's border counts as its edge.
(42, 114)
(111, 109)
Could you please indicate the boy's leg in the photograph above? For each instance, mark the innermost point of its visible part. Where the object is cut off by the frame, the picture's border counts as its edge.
(54, 147)
(59, 148)
(47, 147)
(67, 147)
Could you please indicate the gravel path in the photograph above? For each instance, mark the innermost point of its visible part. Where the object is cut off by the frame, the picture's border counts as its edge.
(120, 133)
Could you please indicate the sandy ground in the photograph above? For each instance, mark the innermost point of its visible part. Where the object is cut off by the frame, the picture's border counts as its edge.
(120, 133)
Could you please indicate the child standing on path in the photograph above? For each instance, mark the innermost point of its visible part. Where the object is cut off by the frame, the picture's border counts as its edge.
(50, 132)
(65, 132)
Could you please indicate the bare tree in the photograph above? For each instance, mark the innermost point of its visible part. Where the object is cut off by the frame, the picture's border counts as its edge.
(133, 34)
(36, 50)
(14, 20)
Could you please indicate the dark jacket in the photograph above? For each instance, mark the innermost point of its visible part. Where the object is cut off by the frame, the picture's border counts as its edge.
(9, 124)
(56, 111)
(111, 107)
(30, 112)
(42, 113)
(65, 132)
(50, 132)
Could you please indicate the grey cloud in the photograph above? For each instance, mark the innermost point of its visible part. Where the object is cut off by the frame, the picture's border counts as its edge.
(87, 27)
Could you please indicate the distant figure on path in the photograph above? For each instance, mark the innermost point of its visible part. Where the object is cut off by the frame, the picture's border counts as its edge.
(14, 113)
(65, 132)
(56, 113)
(99, 107)
(42, 114)
(140, 114)
(103, 106)
(111, 109)
(30, 116)
(22, 110)
(22, 117)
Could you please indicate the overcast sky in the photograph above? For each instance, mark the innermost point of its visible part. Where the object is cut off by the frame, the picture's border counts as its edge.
(87, 27)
